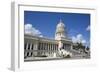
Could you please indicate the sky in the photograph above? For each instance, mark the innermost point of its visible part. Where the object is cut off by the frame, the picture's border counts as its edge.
(44, 24)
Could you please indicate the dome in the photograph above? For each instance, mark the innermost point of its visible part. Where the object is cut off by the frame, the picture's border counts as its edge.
(60, 24)
(60, 27)
(60, 31)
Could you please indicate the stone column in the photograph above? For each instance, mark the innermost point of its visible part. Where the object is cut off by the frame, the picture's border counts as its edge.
(48, 46)
(35, 47)
(31, 46)
(45, 48)
(40, 48)
(30, 49)
(56, 48)
(71, 46)
(33, 50)
(51, 49)
(26, 49)
(27, 46)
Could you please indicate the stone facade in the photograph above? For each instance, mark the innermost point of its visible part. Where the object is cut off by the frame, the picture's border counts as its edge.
(39, 47)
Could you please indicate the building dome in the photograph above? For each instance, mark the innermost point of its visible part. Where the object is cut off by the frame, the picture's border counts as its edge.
(60, 30)
(60, 24)
(60, 27)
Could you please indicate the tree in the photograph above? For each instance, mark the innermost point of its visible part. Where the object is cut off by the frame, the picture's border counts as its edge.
(78, 46)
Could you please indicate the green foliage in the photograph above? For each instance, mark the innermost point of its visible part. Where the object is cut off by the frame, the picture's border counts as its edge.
(80, 46)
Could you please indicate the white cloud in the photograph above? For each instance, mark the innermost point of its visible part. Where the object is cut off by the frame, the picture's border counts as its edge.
(88, 28)
(78, 38)
(29, 29)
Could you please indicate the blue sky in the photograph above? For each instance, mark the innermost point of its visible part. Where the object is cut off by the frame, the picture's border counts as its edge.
(45, 22)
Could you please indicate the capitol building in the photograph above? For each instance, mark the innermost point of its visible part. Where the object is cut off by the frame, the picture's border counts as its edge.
(40, 48)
